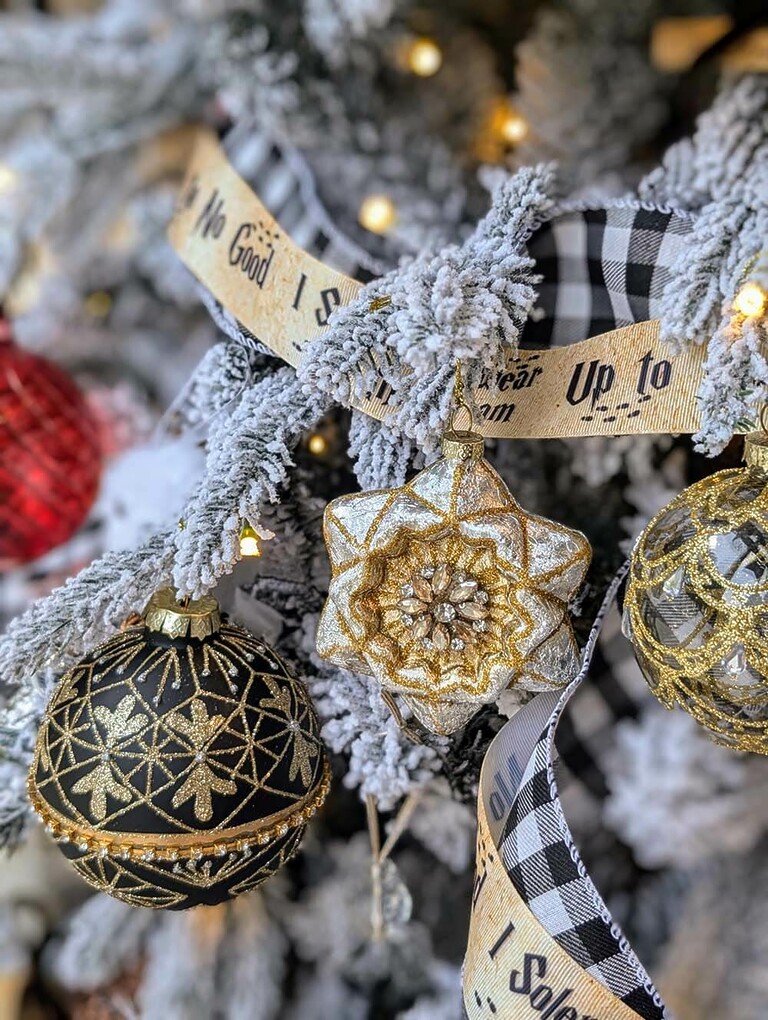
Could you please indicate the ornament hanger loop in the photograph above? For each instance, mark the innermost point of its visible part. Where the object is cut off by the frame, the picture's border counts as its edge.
(460, 401)
(461, 444)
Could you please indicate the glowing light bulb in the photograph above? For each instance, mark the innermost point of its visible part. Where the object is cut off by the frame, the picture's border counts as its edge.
(513, 127)
(249, 541)
(502, 128)
(507, 124)
(423, 56)
(751, 299)
(98, 304)
(8, 178)
(317, 444)
(378, 213)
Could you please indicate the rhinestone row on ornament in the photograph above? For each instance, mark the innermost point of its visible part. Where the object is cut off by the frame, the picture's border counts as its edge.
(243, 845)
(444, 608)
(232, 670)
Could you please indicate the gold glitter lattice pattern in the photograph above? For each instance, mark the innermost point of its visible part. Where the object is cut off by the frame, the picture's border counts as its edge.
(696, 608)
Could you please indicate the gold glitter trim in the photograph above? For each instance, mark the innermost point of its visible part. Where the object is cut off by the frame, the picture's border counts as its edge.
(138, 846)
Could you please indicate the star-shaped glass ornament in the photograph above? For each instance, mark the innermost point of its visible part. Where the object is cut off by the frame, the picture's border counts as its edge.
(447, 592)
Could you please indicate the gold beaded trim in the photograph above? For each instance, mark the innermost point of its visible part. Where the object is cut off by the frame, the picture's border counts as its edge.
(88, 840)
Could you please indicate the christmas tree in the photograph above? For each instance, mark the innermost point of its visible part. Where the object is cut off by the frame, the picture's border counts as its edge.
(480, 181)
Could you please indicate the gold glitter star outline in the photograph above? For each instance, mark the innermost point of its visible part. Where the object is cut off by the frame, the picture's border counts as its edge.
(473, 503)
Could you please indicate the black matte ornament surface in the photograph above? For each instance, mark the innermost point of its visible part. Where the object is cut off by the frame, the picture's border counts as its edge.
(177, 772)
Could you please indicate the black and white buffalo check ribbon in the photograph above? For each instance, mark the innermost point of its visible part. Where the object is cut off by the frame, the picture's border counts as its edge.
(542, 936)
(602, 267)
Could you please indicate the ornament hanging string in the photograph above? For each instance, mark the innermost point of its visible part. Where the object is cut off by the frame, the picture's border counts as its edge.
(379, 853)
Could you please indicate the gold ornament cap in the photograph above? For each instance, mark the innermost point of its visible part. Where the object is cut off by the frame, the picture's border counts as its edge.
(462, 444)
(195, 618)
(459, 444)
(756, 451)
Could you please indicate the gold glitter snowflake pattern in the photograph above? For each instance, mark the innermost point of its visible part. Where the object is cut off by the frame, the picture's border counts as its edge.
(304, 751)
(201, 782)
(191, 762)
(447, 592)
(100, 782)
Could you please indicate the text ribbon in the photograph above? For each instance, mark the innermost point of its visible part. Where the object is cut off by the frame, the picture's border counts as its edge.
(514, 967)
(621, 382)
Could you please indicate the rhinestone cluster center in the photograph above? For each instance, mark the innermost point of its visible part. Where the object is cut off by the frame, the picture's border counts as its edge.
(444, 608)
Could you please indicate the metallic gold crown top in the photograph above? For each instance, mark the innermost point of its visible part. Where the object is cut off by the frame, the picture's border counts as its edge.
(196, 618)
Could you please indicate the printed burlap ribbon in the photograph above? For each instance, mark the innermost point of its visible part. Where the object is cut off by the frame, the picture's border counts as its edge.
(604, 271)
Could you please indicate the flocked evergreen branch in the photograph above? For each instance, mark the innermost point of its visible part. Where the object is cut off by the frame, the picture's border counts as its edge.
(704, 801)
(361, 131)
(83, 963)
(227, 961)
(735, 382)
(102, 82)
(580, 67)
(58, 630)
(465, 302)
(381, 761)
(724, 169)
(382, 456)
(225, 371)
(334, 26)
(74, 93)
(19, 722)
(249, 454)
